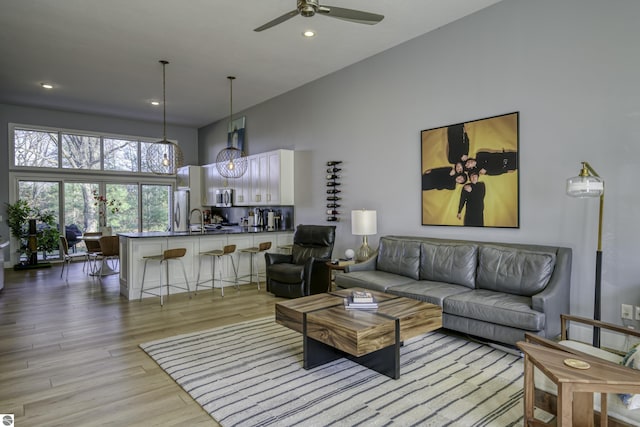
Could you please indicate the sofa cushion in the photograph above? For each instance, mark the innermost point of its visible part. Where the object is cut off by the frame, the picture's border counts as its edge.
(371, 279)
(426, 290)
(495, 307)
(451, 263)
(399, 257)
(515, 271)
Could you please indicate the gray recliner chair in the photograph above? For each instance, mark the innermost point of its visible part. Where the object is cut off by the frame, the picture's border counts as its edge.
(303, 272)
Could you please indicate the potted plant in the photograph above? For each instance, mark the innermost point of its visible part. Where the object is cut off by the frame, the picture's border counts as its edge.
(35, 230)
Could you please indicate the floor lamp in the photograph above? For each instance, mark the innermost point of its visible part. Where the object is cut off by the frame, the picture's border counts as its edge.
(589, 184)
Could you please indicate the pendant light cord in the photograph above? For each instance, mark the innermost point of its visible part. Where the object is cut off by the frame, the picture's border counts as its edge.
(164, 101)
(231, 79)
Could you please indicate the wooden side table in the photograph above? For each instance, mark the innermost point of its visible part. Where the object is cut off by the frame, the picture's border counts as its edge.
(575, 386)
(332, 269)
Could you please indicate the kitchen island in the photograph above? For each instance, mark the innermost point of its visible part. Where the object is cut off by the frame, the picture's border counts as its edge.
(135, 246)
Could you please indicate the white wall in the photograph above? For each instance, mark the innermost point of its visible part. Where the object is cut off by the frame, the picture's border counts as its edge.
(572, 70)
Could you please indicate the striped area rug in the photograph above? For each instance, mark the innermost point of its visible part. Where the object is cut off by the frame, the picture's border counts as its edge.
(250, 374)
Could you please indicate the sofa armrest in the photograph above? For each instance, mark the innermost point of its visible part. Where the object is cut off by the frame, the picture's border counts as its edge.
(554, 299)
(369, 264)
(274, 258)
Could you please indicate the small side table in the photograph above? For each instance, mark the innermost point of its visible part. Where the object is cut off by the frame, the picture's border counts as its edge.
(575, 386)
(332, 269)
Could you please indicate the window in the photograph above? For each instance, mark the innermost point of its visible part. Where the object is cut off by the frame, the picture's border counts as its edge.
(80, 152)
(61, 171)
(79, 205)
(35, 148)
(155, 207)
(120, 155)
(123, 216)
(40, 147)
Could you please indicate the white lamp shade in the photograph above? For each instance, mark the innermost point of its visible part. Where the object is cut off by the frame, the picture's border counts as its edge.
(364, 222)
(585, 186)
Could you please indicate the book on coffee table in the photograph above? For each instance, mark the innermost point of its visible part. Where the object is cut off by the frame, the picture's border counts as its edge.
(350, 304)
(362, 297)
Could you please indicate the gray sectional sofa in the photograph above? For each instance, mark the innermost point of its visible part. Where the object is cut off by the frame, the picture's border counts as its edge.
(496, 291)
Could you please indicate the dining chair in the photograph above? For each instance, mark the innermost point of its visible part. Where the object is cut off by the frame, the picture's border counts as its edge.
(94, 253)
(68, 257)
(110, 249)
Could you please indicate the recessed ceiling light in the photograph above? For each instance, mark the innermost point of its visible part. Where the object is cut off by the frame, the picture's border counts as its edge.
(309, 33)
(156, 103)
(46, 85)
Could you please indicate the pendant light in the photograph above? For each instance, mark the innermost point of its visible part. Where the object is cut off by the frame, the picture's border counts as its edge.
(231, 162)
(164, 157)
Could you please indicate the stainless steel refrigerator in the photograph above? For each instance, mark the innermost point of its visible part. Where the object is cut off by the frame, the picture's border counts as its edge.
(181, 210)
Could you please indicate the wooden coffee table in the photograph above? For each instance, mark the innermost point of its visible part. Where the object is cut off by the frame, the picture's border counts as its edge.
(371, 338)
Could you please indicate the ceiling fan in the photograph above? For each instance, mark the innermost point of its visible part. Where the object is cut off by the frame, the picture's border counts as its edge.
(308, 8)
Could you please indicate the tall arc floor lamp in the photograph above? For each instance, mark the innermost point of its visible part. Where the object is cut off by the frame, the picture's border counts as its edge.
(588, 184)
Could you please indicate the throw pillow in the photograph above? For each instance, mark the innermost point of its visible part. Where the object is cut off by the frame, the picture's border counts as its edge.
(631, 360)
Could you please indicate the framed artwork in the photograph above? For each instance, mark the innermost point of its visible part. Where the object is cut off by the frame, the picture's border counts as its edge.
(470, 173)
(235, 134)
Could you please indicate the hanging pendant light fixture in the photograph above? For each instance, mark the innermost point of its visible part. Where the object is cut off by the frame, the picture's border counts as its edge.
(231, 162)
(164, 157)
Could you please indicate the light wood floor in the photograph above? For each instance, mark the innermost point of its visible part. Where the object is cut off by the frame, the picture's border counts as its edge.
(69, 352)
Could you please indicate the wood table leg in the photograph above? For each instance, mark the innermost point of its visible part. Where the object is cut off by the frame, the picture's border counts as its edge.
(529, 389)
(564, 417)
(583, 409)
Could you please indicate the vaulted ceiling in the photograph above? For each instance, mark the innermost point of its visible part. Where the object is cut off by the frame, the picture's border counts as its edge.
(102, 55)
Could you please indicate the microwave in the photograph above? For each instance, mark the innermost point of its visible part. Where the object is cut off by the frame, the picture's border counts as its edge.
(224, 197)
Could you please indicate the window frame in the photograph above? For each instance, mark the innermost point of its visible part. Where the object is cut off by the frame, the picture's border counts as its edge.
(100, 176)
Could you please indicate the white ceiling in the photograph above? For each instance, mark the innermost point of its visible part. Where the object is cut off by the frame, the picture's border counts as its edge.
(102, 55)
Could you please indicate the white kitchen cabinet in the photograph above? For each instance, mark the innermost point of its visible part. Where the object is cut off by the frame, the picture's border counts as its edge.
(257, 166)
(242, 190)
(211, 181)
(190, 177)
(279, 178)
(268, 181)
(271, 178)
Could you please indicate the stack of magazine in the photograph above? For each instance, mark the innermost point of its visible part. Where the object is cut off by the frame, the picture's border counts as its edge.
(360, 300)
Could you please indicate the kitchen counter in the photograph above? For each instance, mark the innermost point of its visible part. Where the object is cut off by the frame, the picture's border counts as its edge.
(208, 232)
(135, 246)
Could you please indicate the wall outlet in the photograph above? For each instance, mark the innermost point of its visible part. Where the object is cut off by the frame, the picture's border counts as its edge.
(637, 312)
(626, 311)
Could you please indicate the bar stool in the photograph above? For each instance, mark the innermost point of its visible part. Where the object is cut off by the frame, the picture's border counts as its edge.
(253, 266)
(217, 254)
(168, 255)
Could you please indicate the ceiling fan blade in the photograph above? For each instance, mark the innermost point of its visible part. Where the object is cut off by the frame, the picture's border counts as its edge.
(350, 15)
(278, 20)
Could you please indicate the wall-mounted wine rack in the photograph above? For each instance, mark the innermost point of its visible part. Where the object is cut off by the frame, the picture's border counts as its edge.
(333, 190)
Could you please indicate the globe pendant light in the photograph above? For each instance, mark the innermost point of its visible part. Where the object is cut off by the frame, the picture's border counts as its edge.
(164, 157)
(231, 162)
